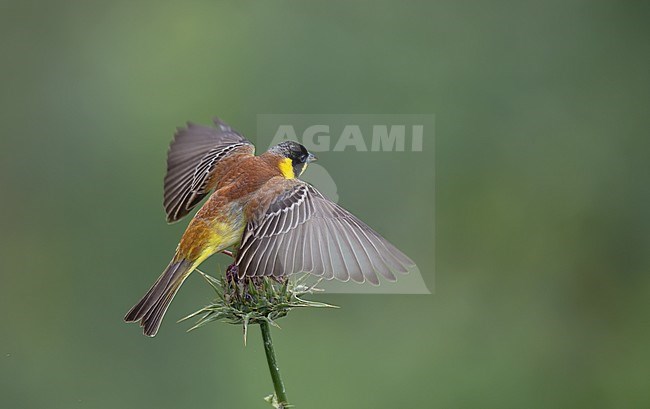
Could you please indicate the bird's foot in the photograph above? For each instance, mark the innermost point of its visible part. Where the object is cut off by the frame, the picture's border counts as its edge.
(228, 253)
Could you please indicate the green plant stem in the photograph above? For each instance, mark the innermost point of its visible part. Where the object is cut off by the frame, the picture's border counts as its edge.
(280, 392)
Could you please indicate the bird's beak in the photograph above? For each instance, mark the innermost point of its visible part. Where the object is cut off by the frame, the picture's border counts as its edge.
(311, 158)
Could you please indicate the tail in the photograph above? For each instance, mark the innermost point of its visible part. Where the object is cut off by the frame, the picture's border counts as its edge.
(152, 307)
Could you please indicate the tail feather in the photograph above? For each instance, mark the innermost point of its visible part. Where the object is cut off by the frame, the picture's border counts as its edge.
(150, 310)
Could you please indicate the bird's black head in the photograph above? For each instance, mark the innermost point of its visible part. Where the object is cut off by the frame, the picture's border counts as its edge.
(295, 158)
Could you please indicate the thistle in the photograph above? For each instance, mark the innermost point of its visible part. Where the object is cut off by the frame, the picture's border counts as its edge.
(257, 300)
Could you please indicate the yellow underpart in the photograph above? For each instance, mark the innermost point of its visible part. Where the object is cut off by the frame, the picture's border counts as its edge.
(223, 235)
(286, 167)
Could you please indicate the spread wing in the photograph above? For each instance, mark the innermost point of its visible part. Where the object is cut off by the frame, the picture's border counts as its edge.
(192, 162)
(303, 231)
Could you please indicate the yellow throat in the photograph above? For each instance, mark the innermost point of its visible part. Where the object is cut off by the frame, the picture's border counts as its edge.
(286, 167)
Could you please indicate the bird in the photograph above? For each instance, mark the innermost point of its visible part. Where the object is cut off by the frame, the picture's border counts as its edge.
(275, 223)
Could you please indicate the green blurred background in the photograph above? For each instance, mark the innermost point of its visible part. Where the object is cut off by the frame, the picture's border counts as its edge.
(541, 209)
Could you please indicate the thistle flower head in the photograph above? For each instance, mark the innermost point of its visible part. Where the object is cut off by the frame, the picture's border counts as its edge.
(252, 300)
